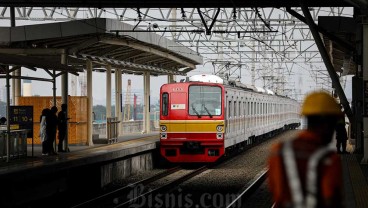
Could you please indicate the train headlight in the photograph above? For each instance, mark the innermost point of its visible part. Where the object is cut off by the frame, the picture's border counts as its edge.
(163, 128)
(163, 136)
(220, 128)
(219, 136)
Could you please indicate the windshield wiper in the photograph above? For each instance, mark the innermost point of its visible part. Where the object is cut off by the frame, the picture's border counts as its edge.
(207, 110)
(195, 111)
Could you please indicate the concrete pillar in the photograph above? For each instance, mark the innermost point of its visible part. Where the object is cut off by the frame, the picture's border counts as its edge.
(12, 86)
(108, 91)
(54, 87)
(108, 94)
(64, 98)
(64, 82)
(118, 106)
(146, 106)
(12, 24)
(90, 103)
(365, 80)
(171, 78)
(17, 86)
(7, 113)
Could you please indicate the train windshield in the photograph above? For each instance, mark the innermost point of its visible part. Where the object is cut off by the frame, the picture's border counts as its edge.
(204, 101)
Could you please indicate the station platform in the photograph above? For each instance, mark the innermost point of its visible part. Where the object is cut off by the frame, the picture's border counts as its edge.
(355, 177)
(26, 180)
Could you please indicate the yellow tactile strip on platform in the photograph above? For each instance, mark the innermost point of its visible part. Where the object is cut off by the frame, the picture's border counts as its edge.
(358, 181)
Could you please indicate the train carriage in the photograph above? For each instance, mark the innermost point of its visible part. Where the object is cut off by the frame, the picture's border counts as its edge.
(202, 118)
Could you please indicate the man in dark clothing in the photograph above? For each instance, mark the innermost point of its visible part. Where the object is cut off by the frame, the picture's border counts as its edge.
(51, 127)
(341, 136)
(62, 126)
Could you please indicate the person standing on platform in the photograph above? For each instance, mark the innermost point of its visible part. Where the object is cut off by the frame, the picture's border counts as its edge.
(51, 128)
(341, 136)
(43, 134)
(304, 171)
(62, 127)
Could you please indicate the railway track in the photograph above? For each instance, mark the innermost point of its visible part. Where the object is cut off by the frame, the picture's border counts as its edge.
(144, 190)
(137, 191)
(123, 190)
(165, 188)
(249, 189)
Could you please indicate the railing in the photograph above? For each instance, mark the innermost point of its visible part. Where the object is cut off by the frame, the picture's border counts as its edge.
(17, 144)
(128, 127)
(112, 130)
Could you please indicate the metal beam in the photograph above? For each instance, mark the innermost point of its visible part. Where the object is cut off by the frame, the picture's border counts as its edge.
(29, 51)
(334, 38)
(327, 61)
(168, 3)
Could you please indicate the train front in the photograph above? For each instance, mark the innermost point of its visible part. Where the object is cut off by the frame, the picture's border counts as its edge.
(192, 122)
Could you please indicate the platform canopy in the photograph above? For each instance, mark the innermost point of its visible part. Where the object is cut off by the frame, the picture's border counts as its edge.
(32, 63)
(345, 29)
(103, 41)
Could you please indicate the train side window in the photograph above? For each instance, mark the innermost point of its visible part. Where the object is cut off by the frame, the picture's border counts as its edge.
(251, 109)
(239, 110)
(235, 113)
(165, 104)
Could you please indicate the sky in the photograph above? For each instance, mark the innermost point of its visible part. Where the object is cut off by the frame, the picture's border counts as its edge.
(99, 84)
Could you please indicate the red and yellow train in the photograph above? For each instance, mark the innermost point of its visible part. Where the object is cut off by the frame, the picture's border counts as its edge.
(204, 117)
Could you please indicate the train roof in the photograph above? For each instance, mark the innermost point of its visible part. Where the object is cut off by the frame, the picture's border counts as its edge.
(210, 78)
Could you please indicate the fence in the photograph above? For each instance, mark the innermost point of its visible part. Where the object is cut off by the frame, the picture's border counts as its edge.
(17, 144)
(112, 130)
(129, 127)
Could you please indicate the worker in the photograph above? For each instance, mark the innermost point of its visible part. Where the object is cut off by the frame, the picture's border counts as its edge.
(304, 171)
(341, 136)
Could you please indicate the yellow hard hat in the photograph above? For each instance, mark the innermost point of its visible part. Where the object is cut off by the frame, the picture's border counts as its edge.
(320, 103)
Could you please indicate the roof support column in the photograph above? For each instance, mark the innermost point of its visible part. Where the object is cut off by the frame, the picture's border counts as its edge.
(108, 94)
(17, 86)
(330, 69)
(365, 81)
(54, 87)
(64, 98)
(108, 91)
(90, 103)
(118, 106)
(146, 107)
(8, 113)
(171, 78)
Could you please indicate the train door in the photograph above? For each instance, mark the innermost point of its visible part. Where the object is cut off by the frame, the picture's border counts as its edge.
(178, 113)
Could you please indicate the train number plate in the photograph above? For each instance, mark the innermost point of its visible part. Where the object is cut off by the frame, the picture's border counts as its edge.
(177, 106)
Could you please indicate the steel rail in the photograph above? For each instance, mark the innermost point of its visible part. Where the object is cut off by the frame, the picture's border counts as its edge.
(255, 184)
(127, 187)
(166, 187)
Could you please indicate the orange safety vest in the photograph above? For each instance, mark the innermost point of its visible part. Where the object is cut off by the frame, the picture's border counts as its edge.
(305, 173)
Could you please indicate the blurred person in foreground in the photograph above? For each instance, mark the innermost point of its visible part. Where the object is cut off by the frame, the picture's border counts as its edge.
(304, 171)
